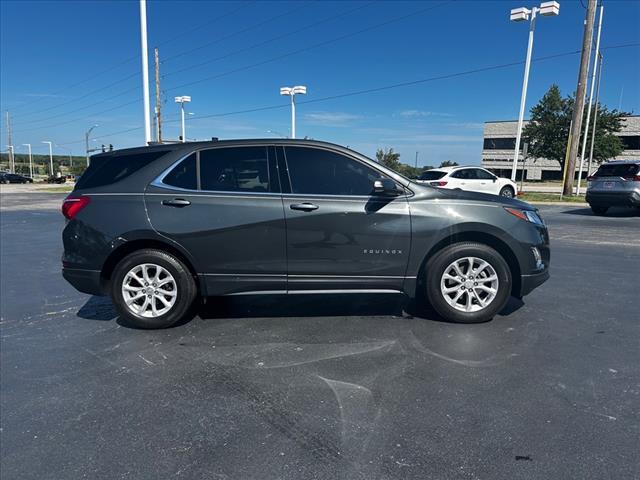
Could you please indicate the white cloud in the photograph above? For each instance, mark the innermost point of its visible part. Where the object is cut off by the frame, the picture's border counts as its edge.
(330, 119)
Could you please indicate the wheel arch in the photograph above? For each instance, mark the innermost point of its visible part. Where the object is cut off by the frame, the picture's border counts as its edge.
(485, 238)
(130, 246)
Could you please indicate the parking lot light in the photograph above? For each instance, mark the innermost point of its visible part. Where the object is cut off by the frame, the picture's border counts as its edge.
(50, 155)
(292, 92)
(28, 145)
(521, 14)
(182, 100)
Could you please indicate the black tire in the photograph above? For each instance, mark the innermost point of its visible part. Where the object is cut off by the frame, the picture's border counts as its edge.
(436, 266)
(598, 210)
(185, 286)
(507, 192)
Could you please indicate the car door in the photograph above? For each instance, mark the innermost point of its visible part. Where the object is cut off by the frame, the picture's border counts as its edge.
(223, 206)
(487, 181)
(467, 179)
(341, 236)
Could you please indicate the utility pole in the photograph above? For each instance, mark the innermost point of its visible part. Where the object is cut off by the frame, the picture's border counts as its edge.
(595, 116)
(593, 87)
(145, 71)
(12, 161)
(158, 117)
(578, 108)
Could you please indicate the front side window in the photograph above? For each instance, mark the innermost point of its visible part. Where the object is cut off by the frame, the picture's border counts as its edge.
(234, 169)
(483, 174)
(323, 172)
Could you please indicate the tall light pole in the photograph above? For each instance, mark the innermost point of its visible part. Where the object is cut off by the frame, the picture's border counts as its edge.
(518, 15)
(12, 159)
(86, 142)
(50, 155)
(28, 145)
(593, 86)
(182, 100)
(145, 71)
(292, 92)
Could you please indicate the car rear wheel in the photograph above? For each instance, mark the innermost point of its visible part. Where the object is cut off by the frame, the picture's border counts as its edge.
(152, 289)
(599, 210)
(468, 282)
(507, 192)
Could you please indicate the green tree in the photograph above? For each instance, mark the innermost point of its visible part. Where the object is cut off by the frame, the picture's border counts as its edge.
(548, 130)
(388, 158)
(449, 163)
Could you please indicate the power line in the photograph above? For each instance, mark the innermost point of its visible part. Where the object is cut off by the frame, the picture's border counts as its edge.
(310, 47)
(265, 42)
(119, 64)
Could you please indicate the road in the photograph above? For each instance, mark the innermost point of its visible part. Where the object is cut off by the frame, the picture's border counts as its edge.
(323, 387)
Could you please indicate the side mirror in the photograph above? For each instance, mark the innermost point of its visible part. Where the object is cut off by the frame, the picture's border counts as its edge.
(495, 179)
(385, 186)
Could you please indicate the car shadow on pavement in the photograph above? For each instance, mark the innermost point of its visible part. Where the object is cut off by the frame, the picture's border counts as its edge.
(98, 308)
(613, 212)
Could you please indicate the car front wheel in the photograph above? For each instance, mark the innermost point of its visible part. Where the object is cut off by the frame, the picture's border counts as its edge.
(468, 282)
(507, 192)
(152, 289)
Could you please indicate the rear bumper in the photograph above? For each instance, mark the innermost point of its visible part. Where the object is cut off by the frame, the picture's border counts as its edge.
(611, 199)
(529, 282)
(85, 281)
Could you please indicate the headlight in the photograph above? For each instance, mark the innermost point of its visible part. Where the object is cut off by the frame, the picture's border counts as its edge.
(528, 215)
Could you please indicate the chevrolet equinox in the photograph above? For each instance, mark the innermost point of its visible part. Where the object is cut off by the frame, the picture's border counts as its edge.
(156, 227)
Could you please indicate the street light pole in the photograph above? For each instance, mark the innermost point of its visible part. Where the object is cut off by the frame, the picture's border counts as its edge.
(518, 15)
(145, 71)
(50, 155)
(292, 92)
(86, 143)
(28, 145)
(182, 100)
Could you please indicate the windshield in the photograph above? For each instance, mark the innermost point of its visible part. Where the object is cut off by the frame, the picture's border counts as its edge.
(432, 175)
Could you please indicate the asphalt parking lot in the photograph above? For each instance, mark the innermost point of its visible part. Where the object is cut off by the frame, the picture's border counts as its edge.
(323, 387)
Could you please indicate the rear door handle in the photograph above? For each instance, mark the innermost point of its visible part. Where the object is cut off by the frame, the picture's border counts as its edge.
(176, 202)
(305, 207)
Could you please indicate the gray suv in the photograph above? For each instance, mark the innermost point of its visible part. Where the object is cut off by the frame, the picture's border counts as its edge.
(615, 184)
(157, 227)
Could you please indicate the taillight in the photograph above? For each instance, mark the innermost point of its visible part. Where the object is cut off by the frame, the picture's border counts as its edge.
(72, 206)
(438, 184)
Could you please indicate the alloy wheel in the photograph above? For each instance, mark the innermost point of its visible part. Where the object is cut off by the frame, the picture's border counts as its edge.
(149, 290)
(469, 284)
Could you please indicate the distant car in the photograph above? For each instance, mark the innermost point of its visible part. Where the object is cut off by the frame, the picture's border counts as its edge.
(615, 184)
(472, 179)
(54, 179)
(14, 178)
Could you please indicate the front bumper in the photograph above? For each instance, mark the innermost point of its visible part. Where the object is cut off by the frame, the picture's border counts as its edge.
(85, 281)
(529, 282)
(613, 199)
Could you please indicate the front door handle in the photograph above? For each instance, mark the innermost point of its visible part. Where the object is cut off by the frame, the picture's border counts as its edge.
(305, 207)
(176, 202)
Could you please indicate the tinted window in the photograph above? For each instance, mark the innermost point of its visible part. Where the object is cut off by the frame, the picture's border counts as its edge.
(617, 170)
(466, 174)
(184, 175)
(483, 174)
(238, 169)
(111, 168)
(432, 175)
(500, 144)
(317, 171)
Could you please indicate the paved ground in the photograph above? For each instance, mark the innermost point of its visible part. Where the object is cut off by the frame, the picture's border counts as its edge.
(323, 388)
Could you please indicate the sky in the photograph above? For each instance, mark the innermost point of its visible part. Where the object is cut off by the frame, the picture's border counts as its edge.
(68, 65)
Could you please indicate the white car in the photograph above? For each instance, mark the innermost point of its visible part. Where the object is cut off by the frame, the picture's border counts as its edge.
(473, 179)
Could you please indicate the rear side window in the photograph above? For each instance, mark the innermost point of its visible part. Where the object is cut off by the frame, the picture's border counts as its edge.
(234, 169)
(432, 175)
(184, 175)
(618, 170)
(108, 169)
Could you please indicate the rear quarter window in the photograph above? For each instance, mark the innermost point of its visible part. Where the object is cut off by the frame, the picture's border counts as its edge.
(105, 170)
